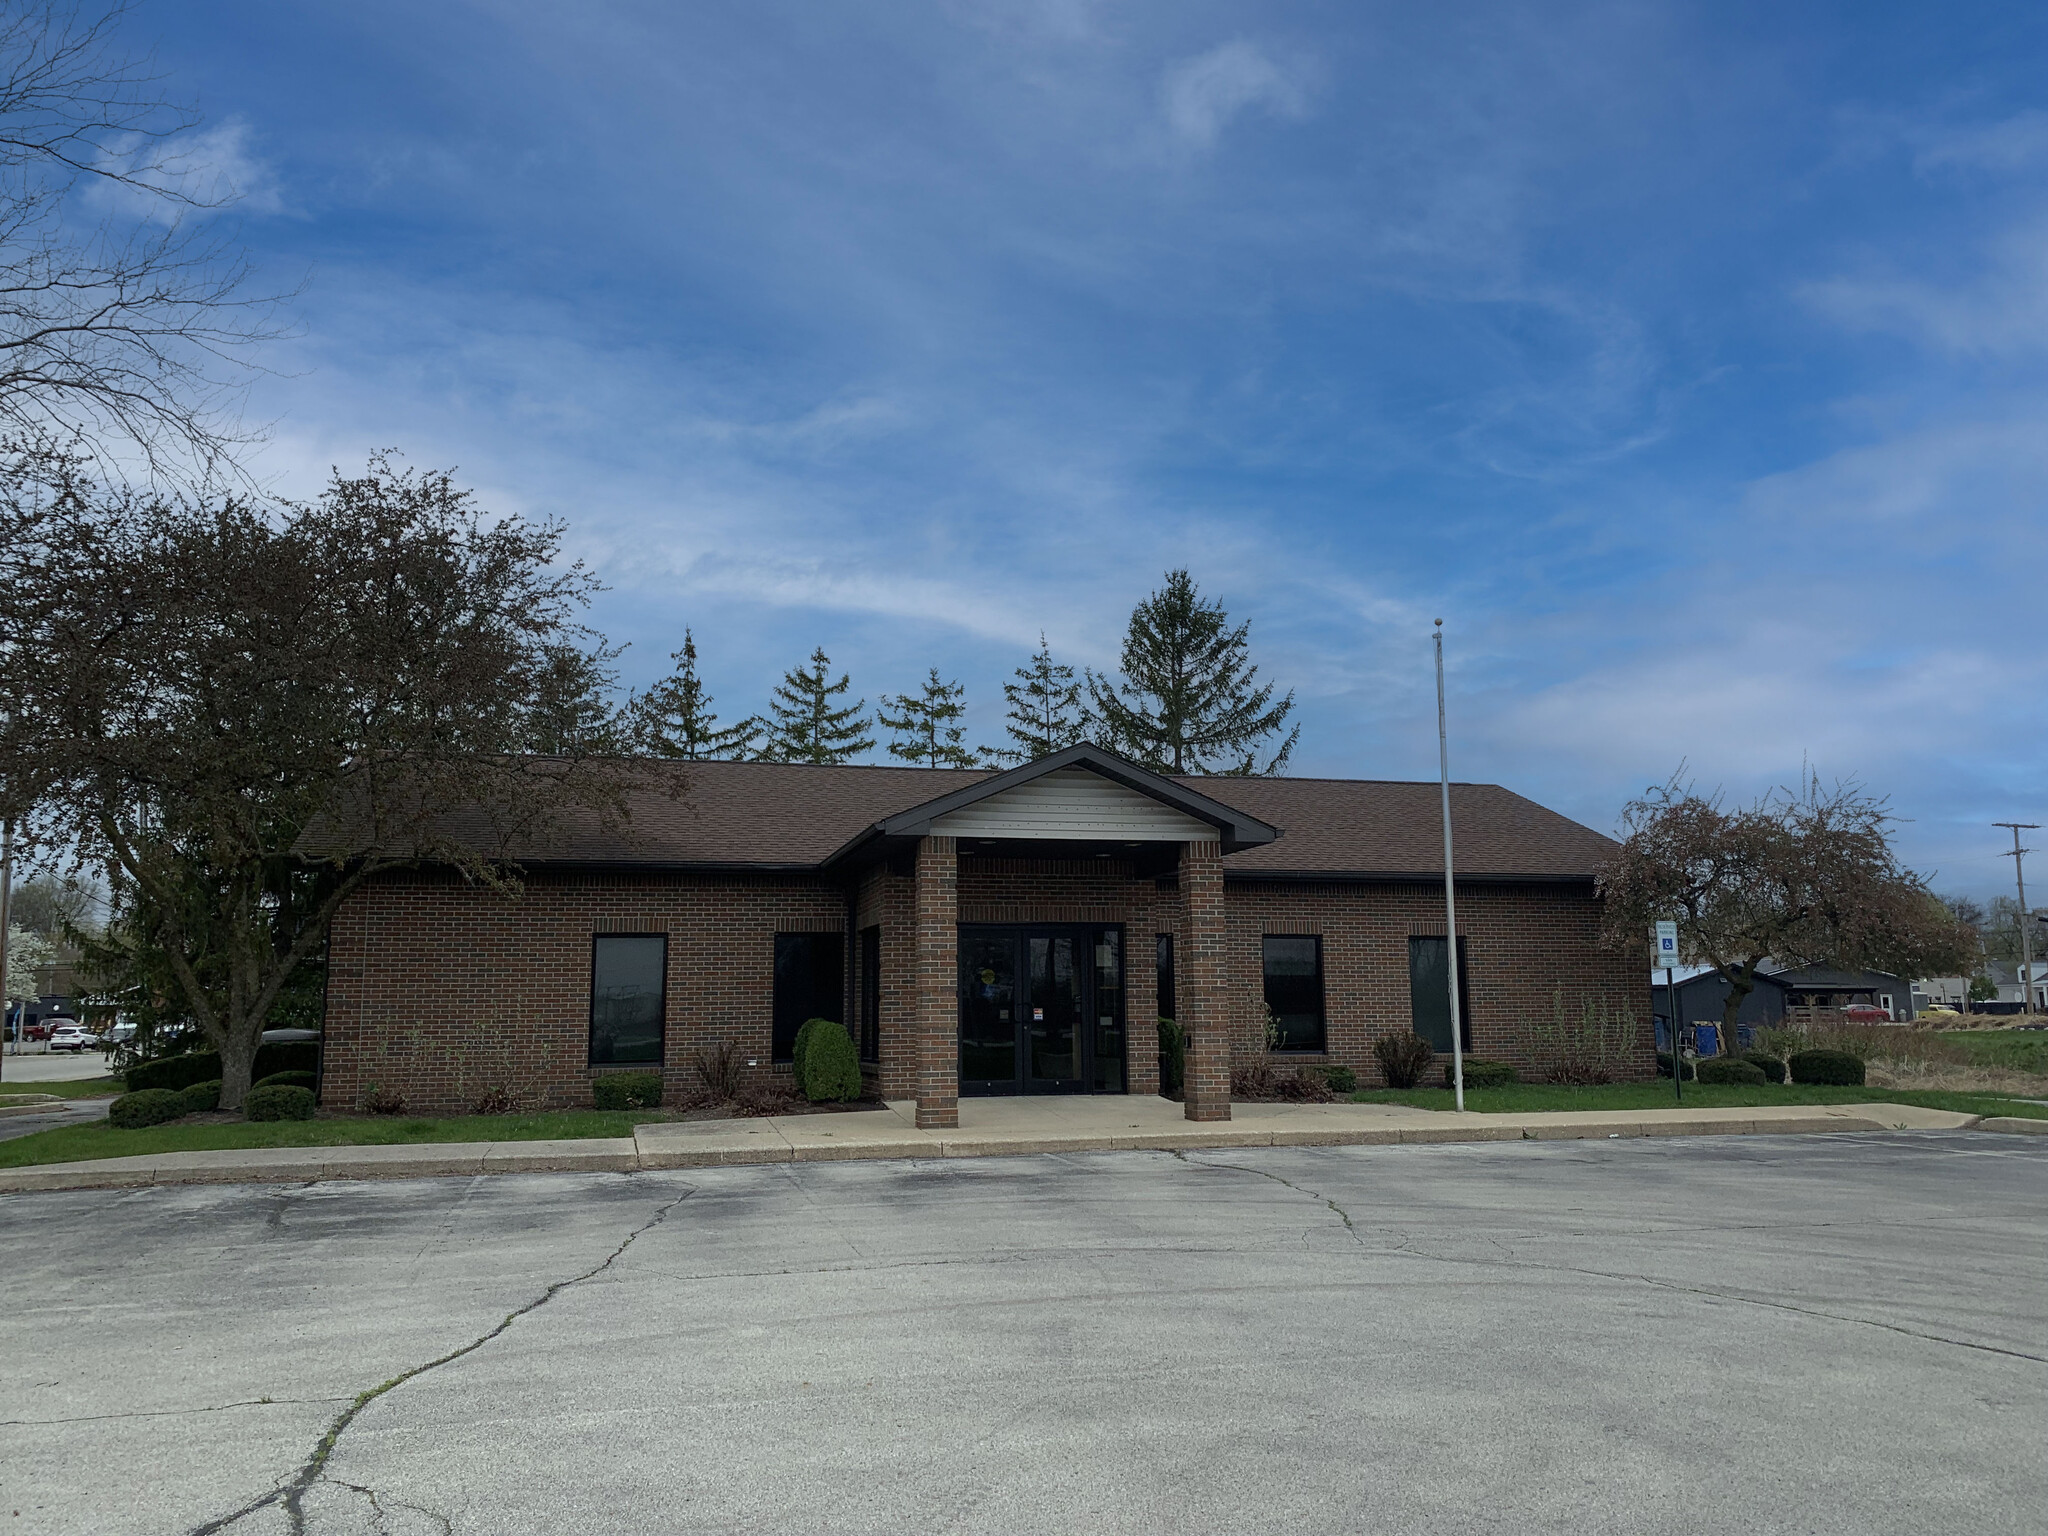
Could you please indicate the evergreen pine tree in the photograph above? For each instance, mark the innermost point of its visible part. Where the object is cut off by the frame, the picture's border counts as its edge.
(803, 727)
(924, 724)
(571, 713)
(674, 718)
(1045, 710)
(1190, 700)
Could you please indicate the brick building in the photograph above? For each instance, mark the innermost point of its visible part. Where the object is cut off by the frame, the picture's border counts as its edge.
(981, 932)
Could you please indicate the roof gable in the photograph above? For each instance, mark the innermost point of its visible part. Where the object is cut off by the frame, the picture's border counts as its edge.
(1079, 794)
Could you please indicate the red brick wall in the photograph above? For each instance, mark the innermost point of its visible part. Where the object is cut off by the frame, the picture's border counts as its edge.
(1524, 944)
(441, 991)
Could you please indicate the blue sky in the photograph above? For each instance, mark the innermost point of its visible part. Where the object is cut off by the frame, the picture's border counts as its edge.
(1690, 360)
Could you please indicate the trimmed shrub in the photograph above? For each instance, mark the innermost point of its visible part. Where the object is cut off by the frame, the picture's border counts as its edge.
(1729, 1069)
(1772, 1067)
(1403, 1058)
(1826, 1068)
(286, 1080)
(279, 1103)
(1664, 1067)
(626, 1090)
(1480, 1073)
(202, 1066)
(1340, 1079)
(200, 1097)
(1173, 1059)
(174, 1072)
(805, 1034)
(146, 1106)
(830, 1070)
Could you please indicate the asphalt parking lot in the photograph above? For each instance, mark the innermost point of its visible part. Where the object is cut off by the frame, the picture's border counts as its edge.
(1729, 1334)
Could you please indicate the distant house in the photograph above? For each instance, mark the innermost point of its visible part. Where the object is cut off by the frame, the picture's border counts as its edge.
(1941, 992)
(2005, 975)
(1702, 1000)
(1820, 986)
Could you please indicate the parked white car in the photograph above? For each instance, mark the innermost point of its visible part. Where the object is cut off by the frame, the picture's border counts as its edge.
(73, 1036)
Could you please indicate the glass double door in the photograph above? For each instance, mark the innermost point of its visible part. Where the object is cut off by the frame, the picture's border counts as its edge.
(1041, 1009)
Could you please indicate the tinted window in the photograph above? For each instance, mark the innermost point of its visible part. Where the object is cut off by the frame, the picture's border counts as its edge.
(871, 994)
(626, 997)
(809, 984)
(1429, 994)
(1163, 949)
(1294, 990)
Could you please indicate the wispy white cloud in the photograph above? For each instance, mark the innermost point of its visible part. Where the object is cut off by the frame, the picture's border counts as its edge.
(1200, 97)
(2006, 146)
(1999, 309)
(216, 166)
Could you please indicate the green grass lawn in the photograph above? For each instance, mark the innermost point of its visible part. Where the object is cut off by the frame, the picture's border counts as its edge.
(79, 1143)
(2016, 1050)
(1526, 1098)
(79, 1088)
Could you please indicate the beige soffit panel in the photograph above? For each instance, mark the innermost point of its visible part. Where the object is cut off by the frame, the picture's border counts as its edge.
(1072, 803)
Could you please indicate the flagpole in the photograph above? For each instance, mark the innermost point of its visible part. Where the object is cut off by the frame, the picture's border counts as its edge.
(1443, 757)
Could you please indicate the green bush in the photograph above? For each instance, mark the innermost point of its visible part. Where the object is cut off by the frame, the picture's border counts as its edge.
(147, 1106)
(174, 1072)
(626, 1090)
(831, 1068)
(287, 1080)
(1729, 1069)
(1341, 1079)
(200, 1097)
(279, 1103)
(1480, 1073)
(202, 1066)
(1832, 1068)
(1173, 1059)
(803, 1045)
(1772, 1067)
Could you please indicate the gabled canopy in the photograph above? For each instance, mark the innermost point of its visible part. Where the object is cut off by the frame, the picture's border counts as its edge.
(1048, 799)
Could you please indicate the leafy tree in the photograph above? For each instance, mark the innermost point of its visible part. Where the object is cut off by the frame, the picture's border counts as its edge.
(236, 713)
(1190, 700)
(27, 953)
(1983, 990)
(1045, 710)
(674, 718)
(1804, 877)
(924, 724)
(130, 324)
(803, 725)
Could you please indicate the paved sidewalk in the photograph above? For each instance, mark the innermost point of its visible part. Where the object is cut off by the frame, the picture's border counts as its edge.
(988, 1128)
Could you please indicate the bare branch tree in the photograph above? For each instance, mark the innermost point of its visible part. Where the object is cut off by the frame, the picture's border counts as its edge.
(137, 328)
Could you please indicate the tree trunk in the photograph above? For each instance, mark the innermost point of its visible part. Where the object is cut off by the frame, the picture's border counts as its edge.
(1740, 985)
(237, 1063)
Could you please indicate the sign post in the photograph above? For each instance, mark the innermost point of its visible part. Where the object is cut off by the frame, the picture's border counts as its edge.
(1667, 956)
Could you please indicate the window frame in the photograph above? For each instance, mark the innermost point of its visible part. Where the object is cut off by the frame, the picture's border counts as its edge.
(1322, 1045)
(660, 1057)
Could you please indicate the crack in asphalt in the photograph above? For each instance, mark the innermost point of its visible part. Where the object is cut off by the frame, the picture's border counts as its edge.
(1605, 1274)
(377, 1507)
(312, 1471)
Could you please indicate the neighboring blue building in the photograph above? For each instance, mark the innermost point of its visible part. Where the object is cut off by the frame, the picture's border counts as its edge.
(1702, 1000)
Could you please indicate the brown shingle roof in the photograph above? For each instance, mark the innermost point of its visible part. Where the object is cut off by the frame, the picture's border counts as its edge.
(782, 815)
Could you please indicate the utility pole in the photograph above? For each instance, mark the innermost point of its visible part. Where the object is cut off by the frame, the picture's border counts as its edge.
(6, 917)
(1443, 758)
(2019, 873)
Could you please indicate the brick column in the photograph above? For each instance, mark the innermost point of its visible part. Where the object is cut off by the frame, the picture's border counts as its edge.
(1199, 981)
(936, 978)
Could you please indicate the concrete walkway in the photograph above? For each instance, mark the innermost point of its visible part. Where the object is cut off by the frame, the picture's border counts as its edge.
(988, 1128)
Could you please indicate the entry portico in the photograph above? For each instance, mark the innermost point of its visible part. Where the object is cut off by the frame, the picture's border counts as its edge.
(1047, 999)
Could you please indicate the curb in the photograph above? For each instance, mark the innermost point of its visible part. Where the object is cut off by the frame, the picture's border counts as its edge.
(298, 1165)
